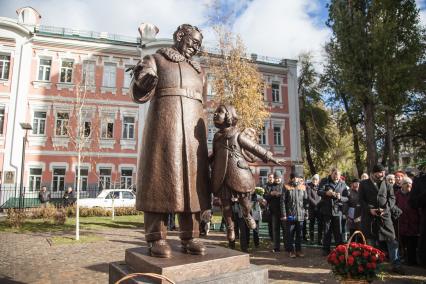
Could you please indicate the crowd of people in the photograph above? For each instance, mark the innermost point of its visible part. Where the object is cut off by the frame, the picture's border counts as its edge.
(390, 210)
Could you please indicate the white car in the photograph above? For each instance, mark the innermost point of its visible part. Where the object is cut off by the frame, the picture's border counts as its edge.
(109, 197)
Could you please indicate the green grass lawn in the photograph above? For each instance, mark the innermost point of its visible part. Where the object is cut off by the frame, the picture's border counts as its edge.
(86, 223)
(70, 240)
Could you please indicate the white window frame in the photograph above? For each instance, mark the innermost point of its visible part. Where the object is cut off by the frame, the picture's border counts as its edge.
(66, 69)
(263, 136)
(263, 179)
(127, 78)
(38, 121)
(60, 178)
(104, 128)
(5, 65)
(84, 179)
(32, 179)
(280, 132)
(127, 126)
(109, 76)
(44, 79)
(103, 177)
(63, 127)
(90, 79)
(276, 93)
(2, 121)
(126, 178)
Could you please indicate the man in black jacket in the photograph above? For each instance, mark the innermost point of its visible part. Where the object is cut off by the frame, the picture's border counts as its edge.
(333, 193)
(272, 196)
(314, 213)
(418, 200)
(376, 199)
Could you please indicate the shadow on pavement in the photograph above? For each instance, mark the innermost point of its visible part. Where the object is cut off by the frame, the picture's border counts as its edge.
(8, 280)
(99, 267)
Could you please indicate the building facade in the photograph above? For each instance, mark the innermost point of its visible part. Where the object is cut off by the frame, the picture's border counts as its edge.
(57, 79)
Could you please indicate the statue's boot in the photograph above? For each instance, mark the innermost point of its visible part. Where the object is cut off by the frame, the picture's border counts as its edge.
(160, 248)
(192, 246)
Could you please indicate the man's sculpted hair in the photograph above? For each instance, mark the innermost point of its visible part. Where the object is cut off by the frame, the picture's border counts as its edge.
(185, 29)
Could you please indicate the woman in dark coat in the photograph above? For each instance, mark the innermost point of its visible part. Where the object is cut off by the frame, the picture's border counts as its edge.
(408, 222)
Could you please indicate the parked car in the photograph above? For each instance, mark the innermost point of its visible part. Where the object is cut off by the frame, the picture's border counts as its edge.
(105, 199)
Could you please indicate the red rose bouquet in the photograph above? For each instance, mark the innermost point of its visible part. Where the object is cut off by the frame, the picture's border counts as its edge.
(356, 261)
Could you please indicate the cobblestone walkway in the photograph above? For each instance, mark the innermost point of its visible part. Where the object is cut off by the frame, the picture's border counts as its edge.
(29, 258)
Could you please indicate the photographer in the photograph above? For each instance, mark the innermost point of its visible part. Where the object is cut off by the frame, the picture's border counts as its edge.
(333, 193)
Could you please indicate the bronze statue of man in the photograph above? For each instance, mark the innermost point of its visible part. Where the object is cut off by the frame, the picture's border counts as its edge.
(173, 166)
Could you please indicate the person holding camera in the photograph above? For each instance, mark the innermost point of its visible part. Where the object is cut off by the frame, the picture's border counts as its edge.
(376, 198)
(333, 193)
(294, 205)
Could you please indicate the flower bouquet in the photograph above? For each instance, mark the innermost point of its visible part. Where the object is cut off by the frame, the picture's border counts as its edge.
(355, 262)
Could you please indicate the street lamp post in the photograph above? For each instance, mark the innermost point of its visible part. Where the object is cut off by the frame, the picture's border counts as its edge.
(25, 126)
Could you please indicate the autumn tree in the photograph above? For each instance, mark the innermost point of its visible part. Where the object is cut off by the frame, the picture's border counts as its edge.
(236, 80)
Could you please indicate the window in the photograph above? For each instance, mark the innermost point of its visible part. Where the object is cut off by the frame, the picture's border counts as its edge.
(87, 129)
(34, 179)
(1, 120)
(84, 173)
(109, 75)
(210, 79)
(107, 129)
(66, 71)
(89, 73)
(44, 69)
(127, 77)
(129, 127)
(104, 178)
(263, 176)
(4, 66)
(276, 93)
(210, 134)
(127, 195)
(113, 195)
(62, 119)
(262, 136)
(58, 183)
(39, 123)
(126, 178)
(277, 135)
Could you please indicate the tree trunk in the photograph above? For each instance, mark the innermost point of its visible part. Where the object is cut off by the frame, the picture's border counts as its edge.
(370, 135)
(389, 124)
(355, 136)
(306, 138)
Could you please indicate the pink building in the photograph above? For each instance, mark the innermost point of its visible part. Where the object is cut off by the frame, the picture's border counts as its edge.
(44, 70)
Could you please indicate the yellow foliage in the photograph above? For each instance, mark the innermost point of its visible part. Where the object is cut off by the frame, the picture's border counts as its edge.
(237, 81)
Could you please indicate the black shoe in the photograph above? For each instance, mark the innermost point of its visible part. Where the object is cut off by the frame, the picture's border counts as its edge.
(276, 250)
(231, 244)
(325, 252)
(398, 270)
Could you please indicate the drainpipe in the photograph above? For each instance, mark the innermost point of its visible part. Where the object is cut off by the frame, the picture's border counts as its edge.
(16, 102)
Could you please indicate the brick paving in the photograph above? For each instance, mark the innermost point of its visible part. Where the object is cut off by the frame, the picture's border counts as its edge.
(29, 258)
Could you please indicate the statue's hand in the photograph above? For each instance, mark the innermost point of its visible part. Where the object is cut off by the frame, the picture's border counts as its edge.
(147, 79)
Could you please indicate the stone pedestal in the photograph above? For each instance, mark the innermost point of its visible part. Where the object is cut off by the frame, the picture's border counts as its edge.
(219, 265)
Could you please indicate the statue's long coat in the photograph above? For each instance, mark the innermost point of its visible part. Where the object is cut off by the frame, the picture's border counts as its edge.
(173, 164)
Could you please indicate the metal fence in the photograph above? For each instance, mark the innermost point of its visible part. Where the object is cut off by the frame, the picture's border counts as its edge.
(15, 197)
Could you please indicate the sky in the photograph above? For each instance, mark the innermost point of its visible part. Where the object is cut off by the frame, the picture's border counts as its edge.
(275, 28)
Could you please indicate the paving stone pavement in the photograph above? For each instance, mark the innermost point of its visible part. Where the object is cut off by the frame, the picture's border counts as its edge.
(29, 258)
